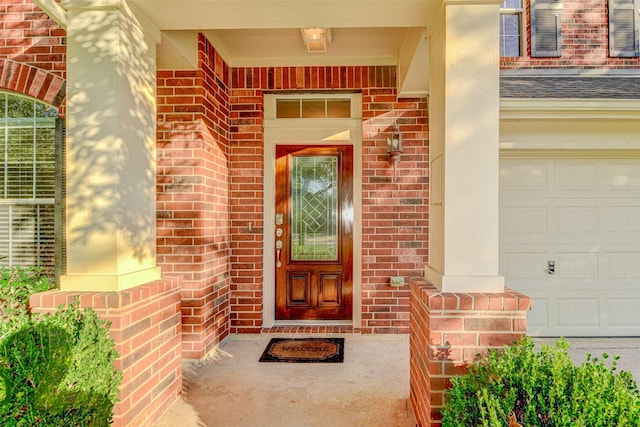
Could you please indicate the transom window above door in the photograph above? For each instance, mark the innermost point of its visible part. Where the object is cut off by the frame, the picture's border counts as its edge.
(315, 107)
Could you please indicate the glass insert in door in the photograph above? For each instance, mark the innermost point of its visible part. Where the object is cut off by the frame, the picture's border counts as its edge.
(314, 216)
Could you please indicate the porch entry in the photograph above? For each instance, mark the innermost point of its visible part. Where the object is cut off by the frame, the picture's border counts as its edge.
(312, 257)
(314, 232)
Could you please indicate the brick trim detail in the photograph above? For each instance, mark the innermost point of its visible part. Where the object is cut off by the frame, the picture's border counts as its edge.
(33, 81)
(145, 325)
(451, 330)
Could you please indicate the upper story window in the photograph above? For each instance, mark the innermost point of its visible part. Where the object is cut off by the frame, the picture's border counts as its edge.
(624, 28)
(511, 28)
(27, 186)
(546, 28)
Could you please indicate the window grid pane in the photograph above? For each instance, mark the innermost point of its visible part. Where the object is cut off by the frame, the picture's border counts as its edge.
(511, 18)
(314, 217)
(27, 235)
(27, 162)
(313, 108)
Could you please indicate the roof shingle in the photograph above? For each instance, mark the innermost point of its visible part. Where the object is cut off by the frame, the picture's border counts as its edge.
(613, 87)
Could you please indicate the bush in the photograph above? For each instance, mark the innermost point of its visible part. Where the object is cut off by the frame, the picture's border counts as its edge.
(17, 284)
(55, 369)
(542, 388)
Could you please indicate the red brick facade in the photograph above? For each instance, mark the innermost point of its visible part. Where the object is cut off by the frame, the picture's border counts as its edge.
(585, 40)
(451, 330)
(145, 325)
(395, 213)
(193, 196)
(210, 178)
(32, 53)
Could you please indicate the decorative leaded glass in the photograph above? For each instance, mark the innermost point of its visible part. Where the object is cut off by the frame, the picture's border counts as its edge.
(314, 218)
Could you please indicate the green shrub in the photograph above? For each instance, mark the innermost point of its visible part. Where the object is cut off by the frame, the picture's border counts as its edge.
(55, 369)
(542, 388)
(17, 284)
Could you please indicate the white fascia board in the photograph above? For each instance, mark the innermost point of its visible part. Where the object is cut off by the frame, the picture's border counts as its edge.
(563, 109)
(53, 11)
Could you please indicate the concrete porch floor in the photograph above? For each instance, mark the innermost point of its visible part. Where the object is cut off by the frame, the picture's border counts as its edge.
(371, 387)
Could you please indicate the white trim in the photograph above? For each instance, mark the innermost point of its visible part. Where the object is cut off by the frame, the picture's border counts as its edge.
(560, 109)
(570, 153)
(307, 131)
(53, 11)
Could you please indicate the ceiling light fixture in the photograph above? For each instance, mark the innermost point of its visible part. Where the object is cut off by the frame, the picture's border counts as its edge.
(316, 39)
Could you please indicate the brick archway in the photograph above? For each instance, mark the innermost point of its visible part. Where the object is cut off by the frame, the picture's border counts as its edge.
(32, 81)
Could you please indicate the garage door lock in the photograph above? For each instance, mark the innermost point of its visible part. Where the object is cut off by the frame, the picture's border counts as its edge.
(551, 267)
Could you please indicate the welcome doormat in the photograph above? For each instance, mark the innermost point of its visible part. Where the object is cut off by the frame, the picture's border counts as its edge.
(304, 350)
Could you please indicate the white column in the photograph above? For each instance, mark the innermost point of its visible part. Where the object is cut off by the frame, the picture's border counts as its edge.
(464, 119)
(111, 123)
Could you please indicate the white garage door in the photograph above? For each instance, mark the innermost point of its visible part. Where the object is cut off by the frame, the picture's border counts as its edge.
(582, 215)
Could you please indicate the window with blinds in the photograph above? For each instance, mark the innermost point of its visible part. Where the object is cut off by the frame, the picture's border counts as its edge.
(27, 187)
(624, 28)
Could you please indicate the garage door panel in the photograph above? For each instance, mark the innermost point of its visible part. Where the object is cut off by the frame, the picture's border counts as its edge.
(581, 266)
(525, 266)
(624, 312)
(572, 176)
(623, 219)
(577, 312)
(577, 219)
(525, 175)
(587, 221)
(623, 175)
(624, 265)
(531, 221)
(538, 317)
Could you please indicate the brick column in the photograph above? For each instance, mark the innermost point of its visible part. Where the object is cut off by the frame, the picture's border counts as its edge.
(450, 331)
(145, 325)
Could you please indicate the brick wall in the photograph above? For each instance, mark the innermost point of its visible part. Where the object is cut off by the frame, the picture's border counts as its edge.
(145, 325)
(585, 34)
(192, 195)
(395, 213)
(450, 331)
(32, 53)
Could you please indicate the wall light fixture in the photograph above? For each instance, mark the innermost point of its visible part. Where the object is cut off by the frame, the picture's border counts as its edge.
(395, 146)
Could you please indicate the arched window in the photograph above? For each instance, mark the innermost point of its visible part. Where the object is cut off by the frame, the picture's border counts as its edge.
(27, 182)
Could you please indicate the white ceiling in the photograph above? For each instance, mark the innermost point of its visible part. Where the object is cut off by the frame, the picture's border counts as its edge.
(267, 33)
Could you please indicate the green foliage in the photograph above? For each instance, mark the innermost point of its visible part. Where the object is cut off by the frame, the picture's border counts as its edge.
(55, 369)
(17, 284)
(542, 388)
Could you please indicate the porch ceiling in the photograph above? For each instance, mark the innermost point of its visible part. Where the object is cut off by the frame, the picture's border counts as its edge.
(267, 33)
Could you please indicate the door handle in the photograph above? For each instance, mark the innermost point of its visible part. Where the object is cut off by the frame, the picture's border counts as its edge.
(278, 252)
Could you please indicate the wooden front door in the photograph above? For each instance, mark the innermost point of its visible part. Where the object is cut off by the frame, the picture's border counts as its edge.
(314, 232)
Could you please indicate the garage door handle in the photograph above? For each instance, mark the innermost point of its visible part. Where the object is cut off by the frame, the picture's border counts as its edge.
(551, 267)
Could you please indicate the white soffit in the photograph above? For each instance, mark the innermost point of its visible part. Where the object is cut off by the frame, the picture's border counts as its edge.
(271, 14)
(267, 32)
